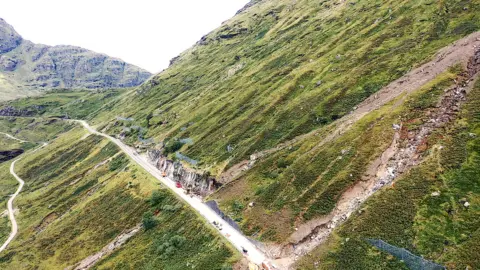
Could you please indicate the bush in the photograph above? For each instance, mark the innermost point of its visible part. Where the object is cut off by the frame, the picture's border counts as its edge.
(173, 147)
(117, 163)
(237, 207)
(157, 197)
(149, 221)
(167, 246)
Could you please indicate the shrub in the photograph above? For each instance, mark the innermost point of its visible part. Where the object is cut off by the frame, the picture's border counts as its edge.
(157, 197)
(149, 221)
(173, 147)
(117, 163)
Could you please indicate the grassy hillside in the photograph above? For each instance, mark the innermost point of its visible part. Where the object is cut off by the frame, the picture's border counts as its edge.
(81, 193)
(32, 131)
(277, 70)
(410, 215)
(8, 185)
(64, 103)
(282, 68)
(304, 181)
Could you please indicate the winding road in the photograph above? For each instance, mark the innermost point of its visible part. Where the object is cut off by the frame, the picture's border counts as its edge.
(13, 138)
(10, 209)
(237, 239)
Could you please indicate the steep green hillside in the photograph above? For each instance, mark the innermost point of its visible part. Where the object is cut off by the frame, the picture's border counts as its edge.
(7, 186)
(426, 211)
(304, 181)
(64, 104)
(279, 70)
(282, 68)
(81, 193)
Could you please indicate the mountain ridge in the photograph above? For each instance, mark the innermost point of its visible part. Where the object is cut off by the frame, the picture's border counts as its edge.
(27, 68)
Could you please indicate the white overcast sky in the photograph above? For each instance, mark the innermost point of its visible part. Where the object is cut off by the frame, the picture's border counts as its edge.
(147, 33)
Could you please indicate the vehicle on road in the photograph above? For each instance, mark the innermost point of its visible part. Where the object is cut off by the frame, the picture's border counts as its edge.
(178, 185)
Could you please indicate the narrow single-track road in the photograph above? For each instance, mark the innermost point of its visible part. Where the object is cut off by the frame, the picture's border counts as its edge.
(236, 238)
(10, 209)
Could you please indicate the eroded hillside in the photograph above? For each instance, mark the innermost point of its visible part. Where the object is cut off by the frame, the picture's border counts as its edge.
(315, 125)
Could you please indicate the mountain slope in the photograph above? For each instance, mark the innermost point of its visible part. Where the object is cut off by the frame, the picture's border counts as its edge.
(27, 68)
(81, 193)
(283, 68)
(322, 123)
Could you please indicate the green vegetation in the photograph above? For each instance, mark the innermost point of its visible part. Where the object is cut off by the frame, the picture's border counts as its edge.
(33, 130)
(169, 242)
(440, 227)
(304, 182)
(118, 163)
(275, 71)
(66, 103)
(148, 221)
(173, 147)
(281, 69)
(8, 185)
(76, 200)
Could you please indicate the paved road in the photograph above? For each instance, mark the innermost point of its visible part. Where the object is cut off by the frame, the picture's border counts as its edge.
(237, 239)
(11, 214)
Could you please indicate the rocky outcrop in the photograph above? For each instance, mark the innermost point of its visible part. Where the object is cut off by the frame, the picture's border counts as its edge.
(473, 66)
(9, 38)
(195, 182)
(35, 66)
(248, 5)
(12, 111)
(10, 154)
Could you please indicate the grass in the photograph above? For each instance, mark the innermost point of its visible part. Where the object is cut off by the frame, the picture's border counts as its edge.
(298, 67)
(439, 228)
(74, 203)
(304, 182)
(8, 185)
(33, 130)
(74, 104)
(171, 242)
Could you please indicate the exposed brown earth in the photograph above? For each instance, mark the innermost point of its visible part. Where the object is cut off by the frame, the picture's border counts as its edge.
(404, 153)
(459, 52)
(90, 261)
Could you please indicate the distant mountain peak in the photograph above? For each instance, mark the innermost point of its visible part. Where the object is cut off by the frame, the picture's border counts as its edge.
(9, 38)
(26, 67)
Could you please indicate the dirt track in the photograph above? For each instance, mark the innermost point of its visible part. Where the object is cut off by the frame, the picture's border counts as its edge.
(458, 52)
(381, 171)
